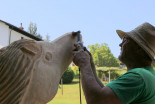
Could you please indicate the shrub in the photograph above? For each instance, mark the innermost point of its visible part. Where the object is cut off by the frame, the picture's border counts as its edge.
(75, 70)
(68, 76)
(113, 74)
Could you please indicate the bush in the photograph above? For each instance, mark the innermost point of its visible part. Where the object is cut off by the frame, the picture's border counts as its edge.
(68, 76)
(75, 70)
(113, 74)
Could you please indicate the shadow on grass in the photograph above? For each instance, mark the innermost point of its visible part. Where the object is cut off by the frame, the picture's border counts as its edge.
(75, 82)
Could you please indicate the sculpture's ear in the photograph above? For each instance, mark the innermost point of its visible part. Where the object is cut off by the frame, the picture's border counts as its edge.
(31, 49)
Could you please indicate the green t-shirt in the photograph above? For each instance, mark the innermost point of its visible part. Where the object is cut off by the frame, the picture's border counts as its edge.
(137, 86)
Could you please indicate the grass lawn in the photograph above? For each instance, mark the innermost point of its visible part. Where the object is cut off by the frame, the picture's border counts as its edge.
(70, 94)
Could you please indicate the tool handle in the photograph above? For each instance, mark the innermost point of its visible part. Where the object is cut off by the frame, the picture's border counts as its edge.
(79, 39)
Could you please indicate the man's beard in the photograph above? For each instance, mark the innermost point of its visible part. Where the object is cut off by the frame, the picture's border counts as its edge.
(122, 57)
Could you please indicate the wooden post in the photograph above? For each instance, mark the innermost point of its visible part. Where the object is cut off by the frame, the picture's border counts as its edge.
(109, 76)
(61, 86)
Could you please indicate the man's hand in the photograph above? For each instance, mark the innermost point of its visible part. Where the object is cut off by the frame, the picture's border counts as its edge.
(80, 57)
(94, 90)
(91, 57)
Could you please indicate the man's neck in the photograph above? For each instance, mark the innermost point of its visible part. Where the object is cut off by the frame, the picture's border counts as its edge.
(137, 65)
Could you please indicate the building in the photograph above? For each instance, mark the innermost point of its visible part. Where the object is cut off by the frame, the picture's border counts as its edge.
(10, 33)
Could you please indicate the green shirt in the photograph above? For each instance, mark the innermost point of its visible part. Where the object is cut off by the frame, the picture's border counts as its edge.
(137, 86)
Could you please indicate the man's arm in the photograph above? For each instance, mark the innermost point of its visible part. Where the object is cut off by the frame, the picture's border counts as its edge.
(95, 75)
(94, 69)
(94, 93)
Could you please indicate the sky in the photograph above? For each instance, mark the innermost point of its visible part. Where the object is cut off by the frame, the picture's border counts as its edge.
(97, 20)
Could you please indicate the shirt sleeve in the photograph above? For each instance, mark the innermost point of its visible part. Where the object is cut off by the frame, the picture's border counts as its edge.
(128, 87)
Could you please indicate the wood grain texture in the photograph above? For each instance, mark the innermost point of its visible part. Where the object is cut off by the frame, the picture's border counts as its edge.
(30, 71)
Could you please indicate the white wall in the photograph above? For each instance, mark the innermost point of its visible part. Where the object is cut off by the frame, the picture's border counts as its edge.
(17, 36)
(4, 34)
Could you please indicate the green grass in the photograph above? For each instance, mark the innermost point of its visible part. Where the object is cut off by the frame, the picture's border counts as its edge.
(70, 94)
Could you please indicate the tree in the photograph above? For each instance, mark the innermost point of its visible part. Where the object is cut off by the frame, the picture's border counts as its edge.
(102, 55)
(39, 36)
(32, 29)
(47, 38)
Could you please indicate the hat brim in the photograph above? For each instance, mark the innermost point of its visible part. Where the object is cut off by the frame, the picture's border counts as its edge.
(121, 33)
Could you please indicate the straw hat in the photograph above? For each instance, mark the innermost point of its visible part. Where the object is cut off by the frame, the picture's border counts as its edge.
(144, 35)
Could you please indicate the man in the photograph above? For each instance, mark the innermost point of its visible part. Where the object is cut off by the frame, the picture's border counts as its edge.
(137, 85)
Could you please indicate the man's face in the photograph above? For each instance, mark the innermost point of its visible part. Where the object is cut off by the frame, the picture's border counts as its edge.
(128, 50)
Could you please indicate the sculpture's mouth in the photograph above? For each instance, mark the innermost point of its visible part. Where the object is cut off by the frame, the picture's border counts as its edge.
(75, 33)
(79, 38)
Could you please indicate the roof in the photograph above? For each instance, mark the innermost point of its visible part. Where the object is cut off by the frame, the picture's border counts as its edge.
(21, 31)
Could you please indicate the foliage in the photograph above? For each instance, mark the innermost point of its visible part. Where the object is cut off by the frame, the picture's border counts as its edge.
(47, 38)
(75, 70)
(68, 75)
(39, 36)
(100, 73)
(115, 72)
(107, 68)
(32, 29)
(102, 55)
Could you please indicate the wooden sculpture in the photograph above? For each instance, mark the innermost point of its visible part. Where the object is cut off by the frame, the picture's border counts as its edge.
(30, 71)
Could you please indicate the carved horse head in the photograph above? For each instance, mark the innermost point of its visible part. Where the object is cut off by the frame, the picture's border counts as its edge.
(30, 71)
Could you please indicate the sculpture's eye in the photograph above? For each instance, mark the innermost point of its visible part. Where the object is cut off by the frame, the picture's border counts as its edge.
(48, 56)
